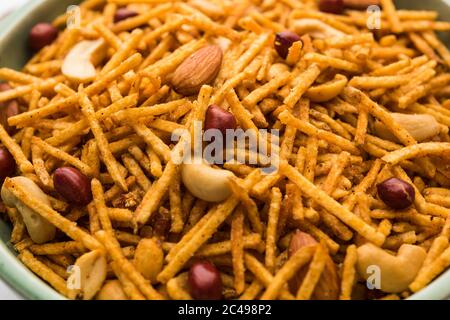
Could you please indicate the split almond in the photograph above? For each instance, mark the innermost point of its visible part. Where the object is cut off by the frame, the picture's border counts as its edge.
(328, 286)
(199, 69)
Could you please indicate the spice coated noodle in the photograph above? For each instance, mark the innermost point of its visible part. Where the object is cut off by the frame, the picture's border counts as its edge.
(363, 152)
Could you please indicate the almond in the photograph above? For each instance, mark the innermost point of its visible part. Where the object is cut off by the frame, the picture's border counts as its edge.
(201, 68)
(328, 286)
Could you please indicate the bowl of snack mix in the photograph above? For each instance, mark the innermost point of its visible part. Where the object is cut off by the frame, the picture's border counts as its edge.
(226, 149)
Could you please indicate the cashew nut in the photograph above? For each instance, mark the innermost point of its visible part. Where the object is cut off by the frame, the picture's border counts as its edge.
(328, 90)
(111, 290)
(92, 271)
(316, 29)
(149, 258)
(39, 229)
(205, 182)
(79, 64)
(396, 272)
(420, 126)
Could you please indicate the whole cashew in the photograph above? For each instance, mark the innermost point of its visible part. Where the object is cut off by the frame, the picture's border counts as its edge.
(93, 272)
(39, 229)
(396, 272)
(149, 258)
(420, 126)
(315, 28)
(111, 290)
(328, 90)
(205, 182)
(79, 64)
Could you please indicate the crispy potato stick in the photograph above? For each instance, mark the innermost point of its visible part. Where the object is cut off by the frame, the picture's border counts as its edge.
(124, 51)
(332, 62)
(155, 163)
(348, 273)
(154, 110)
(335, 173)
(251, 241)
(128, 286)
(314, 273)
(263, 275)
(60, 105)
(423, 46)
(177, 288)
(237, 251)
(68, 227)
(250, 206)
(24, 165)
(154, 195)
(110, 38)
(134, 169)
(287, 118)
(114, 191)
(271, 235)
(265, 90)
(391, 13)
(304, 82)
(126, 266)
(61, 155)
(153, 141)
(141, 19)
(46, 273)
(157, 53)
(18, 225)
(242, 115)
(312, 149)
(44, 85)
(100, 206)
(102, 142)
(331, 205)
(141, 157)
(415, 151)
(165, 28)
(189, 235)
(57, 248)
(220, 214)
(431, 38)
(429, 272)
(254, 49)
(355, 96)
(201, 21)
(252, 291)
(170, 62)
(176, 212)
(10, 75)
(287, 271)
(76, 128)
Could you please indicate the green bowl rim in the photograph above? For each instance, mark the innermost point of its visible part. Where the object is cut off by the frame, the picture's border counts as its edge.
(30, 286)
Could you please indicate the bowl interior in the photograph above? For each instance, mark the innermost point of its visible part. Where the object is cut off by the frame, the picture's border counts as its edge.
(14, 53)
